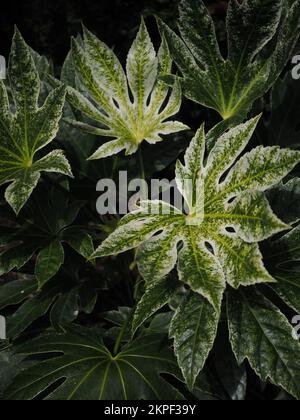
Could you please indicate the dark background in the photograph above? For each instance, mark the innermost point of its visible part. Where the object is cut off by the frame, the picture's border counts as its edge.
(47, 25)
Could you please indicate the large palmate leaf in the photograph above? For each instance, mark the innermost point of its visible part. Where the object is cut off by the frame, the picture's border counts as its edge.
(44, 232)
(129, 108)
(261, 38)
(25, 128)
(260, 333)
(215, 243)
(224, 221)
(87, 370)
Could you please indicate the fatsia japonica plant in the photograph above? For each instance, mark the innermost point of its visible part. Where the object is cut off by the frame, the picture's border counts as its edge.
(182, 299)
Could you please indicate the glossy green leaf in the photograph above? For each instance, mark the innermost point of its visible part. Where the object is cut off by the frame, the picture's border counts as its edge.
(32, 309)
(65, 310)
(260, 333)
(27, 130)
(131, 107)
(14, 292)
(216, 242)
(90, 372)
(48, 262)
(231, 85)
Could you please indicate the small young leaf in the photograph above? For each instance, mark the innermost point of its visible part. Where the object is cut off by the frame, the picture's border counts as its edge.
(48, 262)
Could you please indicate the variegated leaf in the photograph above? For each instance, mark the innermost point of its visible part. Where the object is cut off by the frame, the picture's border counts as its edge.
(260, 333)
(131, 107)
(194, 329)
(156, 297)
(262, 35)
(216, 242)
(28, 129)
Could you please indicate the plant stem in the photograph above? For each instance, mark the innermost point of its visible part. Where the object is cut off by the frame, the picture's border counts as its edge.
(142, 174)
(119, 339)
(141, 161)
(121, 335)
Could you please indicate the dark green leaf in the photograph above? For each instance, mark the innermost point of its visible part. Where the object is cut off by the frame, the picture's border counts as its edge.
(14, 292)
(65, 310)
(33, 309)
(48, 262)
(90, 372)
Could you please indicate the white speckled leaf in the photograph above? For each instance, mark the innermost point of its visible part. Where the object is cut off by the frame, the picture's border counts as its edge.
(157, 295)
(216, 242)
(260, 333)
(261, 39)
(27, 130)
(130, 108)
(21, 189)
(158, 256)
(194, 329)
